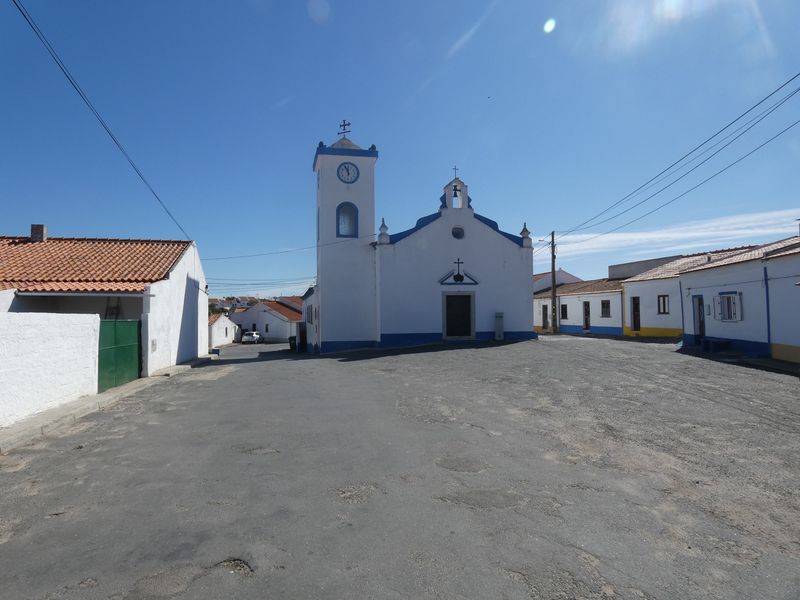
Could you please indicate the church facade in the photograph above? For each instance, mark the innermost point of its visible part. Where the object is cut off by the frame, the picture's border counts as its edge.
(455, 276)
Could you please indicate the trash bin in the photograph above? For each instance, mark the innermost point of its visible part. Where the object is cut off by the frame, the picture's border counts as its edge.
(293, 343)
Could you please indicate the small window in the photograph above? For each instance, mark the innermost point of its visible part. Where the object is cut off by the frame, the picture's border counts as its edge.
(226, 332)
(310, 315)
(564, 311)
(605, 308)
(254, 327)
(266, 327)
(458, 232)
(663, 304)
(347, 220)
(729, 307)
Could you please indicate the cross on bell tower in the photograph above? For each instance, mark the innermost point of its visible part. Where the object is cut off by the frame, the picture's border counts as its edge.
(343, 127)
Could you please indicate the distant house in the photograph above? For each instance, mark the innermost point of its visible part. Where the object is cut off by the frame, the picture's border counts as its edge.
(747, 302)
(221, 330)
(158, 283)
(274, 319)
(544, 281)
(593, 306)
(652, 300)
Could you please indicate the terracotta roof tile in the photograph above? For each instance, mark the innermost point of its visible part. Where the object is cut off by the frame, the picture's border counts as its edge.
(214, 318)
(685, 263)
(292, 301)
(780, 248)
(86, 264)
(283, 310)
(583, 287)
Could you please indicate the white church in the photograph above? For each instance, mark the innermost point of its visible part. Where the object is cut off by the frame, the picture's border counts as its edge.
(455, 276)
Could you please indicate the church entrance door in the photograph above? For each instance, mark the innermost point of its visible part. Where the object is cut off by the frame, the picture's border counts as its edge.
(458, 315)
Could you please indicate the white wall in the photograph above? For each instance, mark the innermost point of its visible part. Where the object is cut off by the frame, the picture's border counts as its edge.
(221, 332)
(262, 316)
(597, 323)
(411, 268)
(175, 316)
(346, 266)
(6, 300)
(562, 277)
(45, 360)
(648, 293)
(119, 307)
(312, 329)
(784, 300)
(746, 278)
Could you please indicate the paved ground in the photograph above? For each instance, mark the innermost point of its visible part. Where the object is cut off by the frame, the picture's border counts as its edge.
(564, 468)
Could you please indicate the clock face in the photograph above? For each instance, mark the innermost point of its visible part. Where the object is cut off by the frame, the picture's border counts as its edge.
(347, 172)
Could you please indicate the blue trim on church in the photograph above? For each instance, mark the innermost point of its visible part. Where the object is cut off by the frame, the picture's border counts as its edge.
(342, 152)
(594, 329)
(426, 220)
(492, 224)
(405, 340)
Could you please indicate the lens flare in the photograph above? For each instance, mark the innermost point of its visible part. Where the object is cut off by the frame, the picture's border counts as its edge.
(549, 25)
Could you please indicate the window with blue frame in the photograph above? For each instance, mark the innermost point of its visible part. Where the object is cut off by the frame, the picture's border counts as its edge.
(347, 220)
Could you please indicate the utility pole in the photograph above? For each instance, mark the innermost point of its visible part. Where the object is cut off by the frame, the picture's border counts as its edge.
(553, 311)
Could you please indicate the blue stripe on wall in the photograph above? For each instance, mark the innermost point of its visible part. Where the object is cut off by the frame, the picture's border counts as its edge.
(746, 347)
(593, 329)
(400, 340)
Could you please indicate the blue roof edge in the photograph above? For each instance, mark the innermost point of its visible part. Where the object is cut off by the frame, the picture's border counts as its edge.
(342, 152)
(428, 219)
(421, 222)
(493, 224)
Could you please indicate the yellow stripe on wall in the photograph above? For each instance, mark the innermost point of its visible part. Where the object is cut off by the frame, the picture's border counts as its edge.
(654, 332)
(786, 352)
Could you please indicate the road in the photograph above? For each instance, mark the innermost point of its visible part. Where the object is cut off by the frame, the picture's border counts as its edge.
(554, 469)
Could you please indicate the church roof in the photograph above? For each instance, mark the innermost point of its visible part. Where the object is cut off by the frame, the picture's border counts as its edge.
(343, 147)
(428, 219)
(344, 142)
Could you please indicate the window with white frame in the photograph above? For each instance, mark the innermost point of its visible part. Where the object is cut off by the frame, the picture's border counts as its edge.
(663, 304)
(309, 315)
(605, 308)
(728, 306)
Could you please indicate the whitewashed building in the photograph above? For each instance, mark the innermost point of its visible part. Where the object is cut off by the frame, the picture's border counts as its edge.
(652, 300)
(544, 281)
(275, 320)
(221, 330)
(593, 306)
(143, 307)
(746, 302)
(454, 276)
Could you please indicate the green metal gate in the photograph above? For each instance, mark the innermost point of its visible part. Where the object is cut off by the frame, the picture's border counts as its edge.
(120, 358)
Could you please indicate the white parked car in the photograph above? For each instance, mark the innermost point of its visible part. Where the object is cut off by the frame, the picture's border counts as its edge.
(252, 337)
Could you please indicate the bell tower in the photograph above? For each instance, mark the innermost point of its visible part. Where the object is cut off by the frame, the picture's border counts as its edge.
(346, 275)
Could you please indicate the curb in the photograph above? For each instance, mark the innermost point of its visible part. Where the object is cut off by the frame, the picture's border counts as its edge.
(40, 425)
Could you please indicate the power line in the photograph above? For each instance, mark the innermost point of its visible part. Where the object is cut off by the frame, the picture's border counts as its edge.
(682, 158)
(54, 55)
(691, 189)
(288, 250)
(754, 122)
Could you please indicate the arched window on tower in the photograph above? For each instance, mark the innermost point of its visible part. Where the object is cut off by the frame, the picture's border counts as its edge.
(346, 220)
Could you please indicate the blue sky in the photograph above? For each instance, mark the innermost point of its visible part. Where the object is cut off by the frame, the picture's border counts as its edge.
(222, 106)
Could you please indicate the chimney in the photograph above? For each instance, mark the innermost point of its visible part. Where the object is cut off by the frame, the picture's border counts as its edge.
(38, 233)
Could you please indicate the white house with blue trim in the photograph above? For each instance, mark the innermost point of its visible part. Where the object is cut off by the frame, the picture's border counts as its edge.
(455, 276)
(746, 302)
